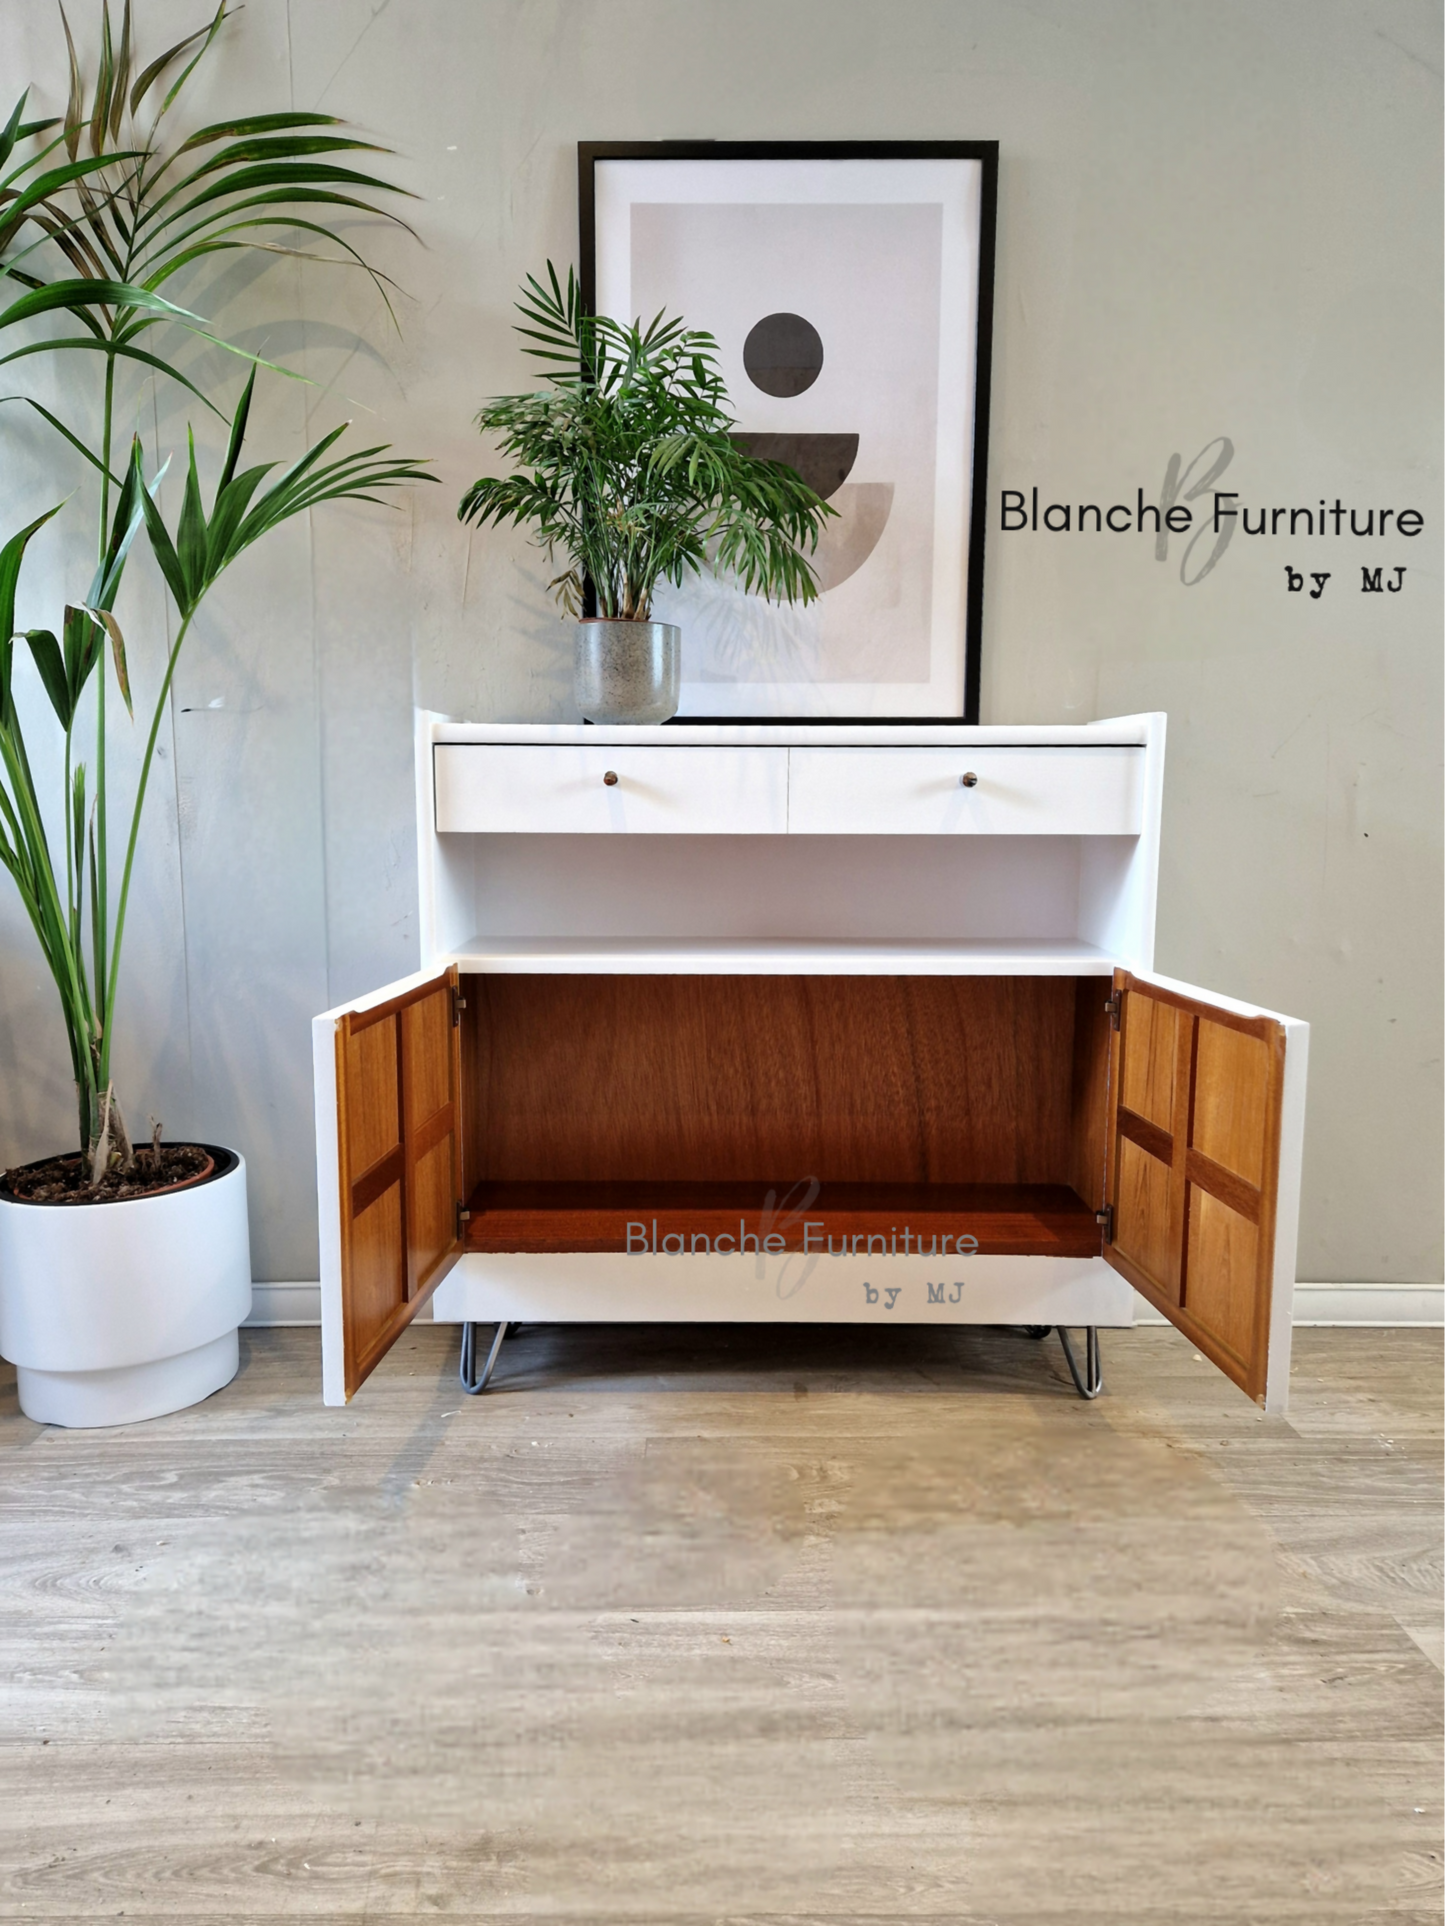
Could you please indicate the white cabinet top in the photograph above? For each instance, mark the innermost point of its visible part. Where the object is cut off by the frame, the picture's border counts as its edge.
(1121, 731)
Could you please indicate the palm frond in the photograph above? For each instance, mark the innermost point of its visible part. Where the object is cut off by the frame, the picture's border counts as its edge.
(151, 74)
(60, 428)
(206, 544)
(126, 212)
(627, 462)
(98, 215)
(16, 204)
(12, 556)
(122, 351)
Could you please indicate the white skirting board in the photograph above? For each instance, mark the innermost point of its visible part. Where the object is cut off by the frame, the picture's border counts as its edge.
(1363, 1304)
(280, 1304)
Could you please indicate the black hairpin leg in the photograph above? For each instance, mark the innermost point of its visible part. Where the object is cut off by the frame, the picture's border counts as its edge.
(471, 1383)
(1092, 1382)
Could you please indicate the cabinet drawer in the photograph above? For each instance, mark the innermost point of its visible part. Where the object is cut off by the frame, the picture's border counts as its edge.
(504, 788)
(920, 792)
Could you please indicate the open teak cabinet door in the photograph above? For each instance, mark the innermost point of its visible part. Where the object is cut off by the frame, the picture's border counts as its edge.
(1196, 1112)
(398, 1171)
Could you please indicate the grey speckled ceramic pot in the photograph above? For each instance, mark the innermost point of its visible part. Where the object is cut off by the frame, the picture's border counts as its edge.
(627, 671)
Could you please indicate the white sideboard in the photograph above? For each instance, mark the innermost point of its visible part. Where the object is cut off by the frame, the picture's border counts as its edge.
(802, 1023)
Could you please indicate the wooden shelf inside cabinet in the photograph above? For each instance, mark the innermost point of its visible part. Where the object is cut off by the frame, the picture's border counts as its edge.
(934, 1220)
(869, 1004)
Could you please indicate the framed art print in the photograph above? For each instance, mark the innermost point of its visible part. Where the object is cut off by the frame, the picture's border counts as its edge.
(849, 287)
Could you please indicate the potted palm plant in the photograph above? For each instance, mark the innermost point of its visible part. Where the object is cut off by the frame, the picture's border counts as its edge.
(125, 1271)
(629, 466)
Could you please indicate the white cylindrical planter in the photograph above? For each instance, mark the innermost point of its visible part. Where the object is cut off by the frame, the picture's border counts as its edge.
(115, 1312)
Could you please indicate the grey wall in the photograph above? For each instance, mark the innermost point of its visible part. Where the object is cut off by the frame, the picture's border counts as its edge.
(1213, 221)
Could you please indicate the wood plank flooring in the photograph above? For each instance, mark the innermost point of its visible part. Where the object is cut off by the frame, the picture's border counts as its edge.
(721, 1625)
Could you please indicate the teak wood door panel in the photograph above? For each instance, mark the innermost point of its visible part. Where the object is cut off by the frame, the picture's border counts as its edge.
(399, 1166)
(1193, 1172)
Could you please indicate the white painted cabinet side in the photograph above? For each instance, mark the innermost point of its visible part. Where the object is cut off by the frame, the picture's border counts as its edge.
(1119, 875)
(1286, 1215)
(446, 865)
(328, 1206)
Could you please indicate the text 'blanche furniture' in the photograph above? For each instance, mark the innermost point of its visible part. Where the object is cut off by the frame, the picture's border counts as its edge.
(822, 1023)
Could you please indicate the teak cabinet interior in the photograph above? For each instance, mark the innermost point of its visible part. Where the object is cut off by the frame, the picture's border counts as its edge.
(762, 1079)
(802, 1024)
(997, 1115)
(945, 1105)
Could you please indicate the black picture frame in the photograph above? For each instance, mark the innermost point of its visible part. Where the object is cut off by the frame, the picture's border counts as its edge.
(986, 153)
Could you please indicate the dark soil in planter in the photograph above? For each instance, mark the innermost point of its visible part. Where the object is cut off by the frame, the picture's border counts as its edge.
(66, 1180)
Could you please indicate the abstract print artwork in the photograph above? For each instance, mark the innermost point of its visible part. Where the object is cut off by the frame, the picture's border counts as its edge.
(849, 292)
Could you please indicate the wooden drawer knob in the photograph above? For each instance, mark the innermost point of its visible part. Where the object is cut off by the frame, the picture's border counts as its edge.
(611, 779)
(969, 779)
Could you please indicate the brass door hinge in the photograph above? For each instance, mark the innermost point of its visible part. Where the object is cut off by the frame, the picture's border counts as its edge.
(464, 1217)
(1113, 1007)
(459, 1003)
(1106, 1218)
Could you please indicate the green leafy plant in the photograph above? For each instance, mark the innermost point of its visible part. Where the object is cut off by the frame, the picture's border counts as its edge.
(630, 467)
(90, 239)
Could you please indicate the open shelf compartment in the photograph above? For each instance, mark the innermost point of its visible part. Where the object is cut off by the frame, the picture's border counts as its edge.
(1001, 904)
(920, 1114)
(833, 1220)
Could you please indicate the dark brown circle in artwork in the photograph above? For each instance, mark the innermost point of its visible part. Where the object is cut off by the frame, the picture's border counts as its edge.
(783, 354)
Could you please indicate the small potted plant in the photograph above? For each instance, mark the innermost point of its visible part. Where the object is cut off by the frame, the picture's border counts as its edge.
(629, 466)
(124, 1271)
